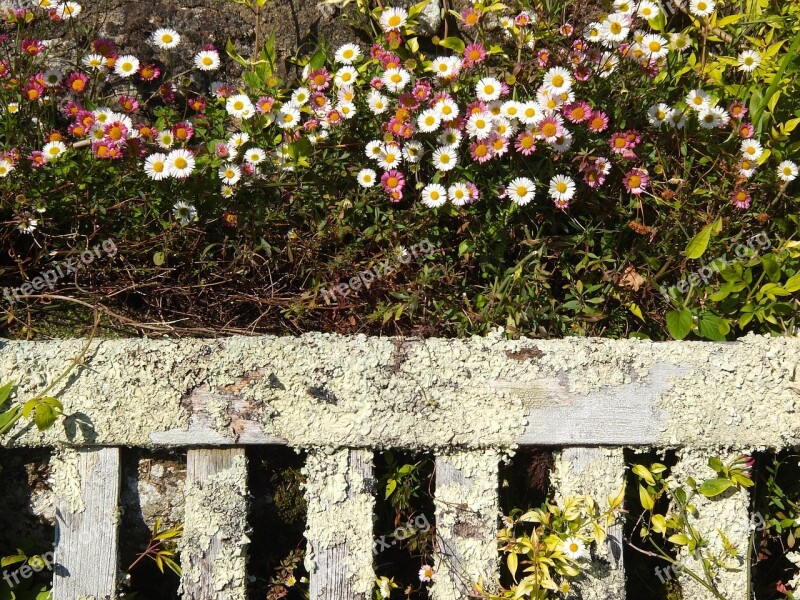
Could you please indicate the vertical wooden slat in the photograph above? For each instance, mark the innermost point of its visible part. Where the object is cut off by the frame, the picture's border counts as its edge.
(728, 513)
(467, 511)
(214, 544)
(87, 485)
(600, 473)
(339, 494)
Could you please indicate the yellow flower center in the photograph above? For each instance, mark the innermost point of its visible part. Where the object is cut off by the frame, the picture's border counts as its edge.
(521, 190)
(394, 21)
(561, 187)
(181, 163)
(558, 81)
(616, 28)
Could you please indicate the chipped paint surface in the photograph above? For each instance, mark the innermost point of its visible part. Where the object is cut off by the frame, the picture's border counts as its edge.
(321, 389)
(339, 525)
(729, 513)
(67, 483)
(600, 473)
(467, 510)
(215, 531)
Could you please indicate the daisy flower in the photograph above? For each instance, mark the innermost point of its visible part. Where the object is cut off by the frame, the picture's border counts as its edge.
(165, 139)
(52, 77)
(488, 89)
(701, 8)
(503, 127)
(165, 38)
(300, 96)
(557, 80)
(679, 42)
(180, 163)
(598, 122)
(374, 149)
(562, 142)
(347, 54)
(27, 224)
(347, 75)
(741, 199)
(562, 189)
(392, 180)
(677, 119)
(230, 174)
(480, 151)
(426, 572)
(615, 28)
(52, 150)
(459, 194)
(521, 190)
(155, 166)
(346, 109)
(412, 152)
(659, 114)
(183, 212)
(255, 156)
(207, 60)
(747, 167)
(698, 100)
(288, 117)
(787, 171)
(654, 46)
(434, 195)
(749, 61)
(390, 156)
(479, 125)
(5, 167)
(530, 113)
(126, 65)
(551, 127)
(713, 117)
(636, 181)
(396, 79)
(648, 10)
(377, 102)
(446, 108)
(68, 10)
(525, 143)
(236, 141)
(752, 150)
(366, 178)
(93, 61)
(573, 548)
(393, 19)
(444, 158)
(239, 106)
(429, 120)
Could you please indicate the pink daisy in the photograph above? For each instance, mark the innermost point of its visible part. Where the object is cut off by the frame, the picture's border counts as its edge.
(480, 151)
(741, 199)
(636, 181)
(393, 180)
(598, 121)
(525, 143)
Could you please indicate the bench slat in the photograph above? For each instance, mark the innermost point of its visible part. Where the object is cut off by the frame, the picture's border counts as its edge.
(339, 493)
(87, 484)
(214, 544)
(467, 508)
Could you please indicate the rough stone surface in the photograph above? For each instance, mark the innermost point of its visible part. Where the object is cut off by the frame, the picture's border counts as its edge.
(321, 389)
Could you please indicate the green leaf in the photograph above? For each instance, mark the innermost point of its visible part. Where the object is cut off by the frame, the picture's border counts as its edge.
(8, 418)
(318, 60)
(513, 563)
(699, 243)
(453, 43)
(713, 327)
(159, 258)
(645, 498)
(230, 49)
(391, 485)
(679, 538)
(679, 323)
(644, 473)
(714, 487)
(790, 286)
(6, 390)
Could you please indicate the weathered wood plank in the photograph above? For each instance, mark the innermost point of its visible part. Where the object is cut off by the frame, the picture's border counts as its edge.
(467, 508)
(728, 513)
(600, 473)
(339, 530)
(214, 543)
(87, 485)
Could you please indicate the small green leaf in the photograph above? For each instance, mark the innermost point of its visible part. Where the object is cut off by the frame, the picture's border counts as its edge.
(699, 243)
(391, 485)
(6, 390)
(453, 43)
(679, 538)
(645, 498)
(714, 487)
(644, 473)
(679, 323)
(45, 416)
(159, 258)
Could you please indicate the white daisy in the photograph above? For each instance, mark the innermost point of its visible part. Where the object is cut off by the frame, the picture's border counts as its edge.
(347, 75)
(347, 109)
(68, 10)
(557, 80)
(648, 10)
(395, 79)
(5, 167)
(679, 42)
(450, 137)
(429, 121)
(787, 171)
(659, 114)
(288, 117)
(615, 28)
(623, 6)
(503, 127)
(238, 105)
(347, 54)
(716, 116)
(677, 120)
(459, 194)
(185, 213)
(236, 141)
(180, 163)
(511, 109)
(521, 190)
(230, 174)
(479, 125)
(300, 96)
(698, 100)
(488, 89)
(93, 61)
(593, 30)
(165, 38)
(374, 149)
(377, 102)
(366, 178)
(393, 19)
(562, 188)
(426, 573)
(446, 67)
(701, 8)
(126, 65)
(751, 149)
(573, 548)
(562, 142)
(255, 156)
(749, 61)
(207, 60)
(412, 151)
(52, 77)
(530, 113)
(447, 109)
(390, 157)
(444, 158)
(434, 195)
(52, 150)
(654, 46)
(155, 166)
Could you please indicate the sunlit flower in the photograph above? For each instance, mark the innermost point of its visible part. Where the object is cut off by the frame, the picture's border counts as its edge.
(393, 19)
(659, 114)
(698, 100)
(615, 28)
(741, 199)
(377, 102)
(648, 10)
(184, 213)
(428, 121)
(434, 195)
(366, 178)
(288, 117)
(180, 163)
(679, 42)
(155, 166)
(68, 10)
(752, 149)
(447, 109)
(165, 38)
(77, 82)
(396, 79)
(255, 156)
(636, 181)
(479, 126)
(557, 80)
(6, 166)
(27, 223)
(488, 89)
(392, 180)
(52, 150)
(749, 61)
(126, 65)
(347, 75)
(446, 67)
(787, 171)
(207, 60)
(390, 156)
(230, 174)
(237, 140)
(93, 61)
(573, 548)
(347, 54)
(426, 572)
(459, 195)
(444, 158)
(654, 46)
(521, 190)
(701, 8)
(412, 151)
(713, 117)
(165, 139)
(562, 189)
(530, 113)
